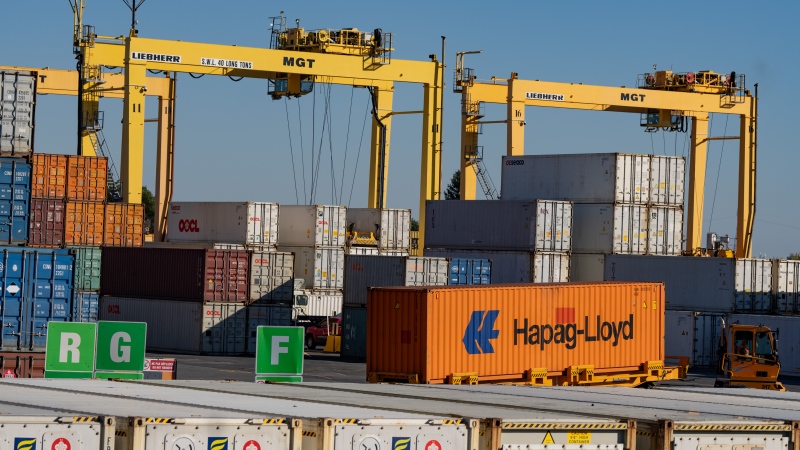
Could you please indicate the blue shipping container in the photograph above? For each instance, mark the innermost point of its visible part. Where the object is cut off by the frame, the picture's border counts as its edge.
(84, 306)
(470, 271)
(15, 199)
(36, 288)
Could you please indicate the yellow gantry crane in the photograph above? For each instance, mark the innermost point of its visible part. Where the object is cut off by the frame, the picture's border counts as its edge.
(296, 58)
(662, 98)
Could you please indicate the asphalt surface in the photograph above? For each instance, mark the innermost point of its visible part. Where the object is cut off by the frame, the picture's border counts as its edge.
(330, 367)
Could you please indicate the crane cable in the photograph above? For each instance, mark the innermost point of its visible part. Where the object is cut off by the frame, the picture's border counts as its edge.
(358, 156)
(291, 149)
(719, 169)
(346, 145)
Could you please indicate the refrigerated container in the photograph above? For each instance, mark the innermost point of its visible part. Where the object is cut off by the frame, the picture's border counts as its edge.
(36, 289)
(664, 230)
(322, 268)
(667, 180)
(550, 267)
(753, 286)
(586, 267)
(786, 286)
(609, 228)
(124, 225)
(503, 331)
(391, 227)
(470, 271)
(185, 274)
(538, 225)
(319, 303)
(23, 429)
(18, 110)
(249, 223)
(174, 326)
(84, 223)
(581, 178)
(271, 276)
(696, 335)
(312, 225)
(373, 251)
(196, 245)
(516, 267)
(47, 221)
(15, 197)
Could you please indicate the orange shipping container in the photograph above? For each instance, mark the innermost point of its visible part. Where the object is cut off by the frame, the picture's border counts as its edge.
(514, 333)
(49, 178)
(84, 224)
(124, 225)
(81, 178)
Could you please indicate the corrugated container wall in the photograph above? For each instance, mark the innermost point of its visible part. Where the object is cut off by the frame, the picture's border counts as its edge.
(550, 267)
(265, 316)
(322, 268)
(373, 251)
(124, 225)
(470, 271)
(426, 271)
(354, 331)
(584, 178)
(586, 267)
(665, 230)
(786, 286)
(667, 180)
(692, 284)
(606, 228)
(250, 223)
(495, 330)
(69, 177)
(314, 225)
(391, 227)
(49, 179)
(753, 286)
(37, 289)
(85, 306)
(516, 267)
(362, 272)
(540, 225)
(271, 276)
(87, 267)
(15, 197)
(184, 274)
(18, 108)
(47, 223)
(695, 335)
(320, 303)
(183, 327)
(84, 223)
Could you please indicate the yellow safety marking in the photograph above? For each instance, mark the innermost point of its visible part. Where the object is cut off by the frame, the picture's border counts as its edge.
(120, 433)
(548, 439)
(644, 304)
(453, 421)
(309, 433)
(157, 420)
(346, 420)
(735, 427)
(265, 421)
(84, 419)
(579, 438)
(655, 304)
(567, 426)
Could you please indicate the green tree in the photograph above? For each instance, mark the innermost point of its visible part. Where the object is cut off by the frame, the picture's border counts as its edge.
(453, 189)
(414, 224)
(149, 202)
(794, 256)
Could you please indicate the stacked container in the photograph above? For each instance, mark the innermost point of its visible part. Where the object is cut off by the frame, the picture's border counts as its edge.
(391, 229)
(526, 241)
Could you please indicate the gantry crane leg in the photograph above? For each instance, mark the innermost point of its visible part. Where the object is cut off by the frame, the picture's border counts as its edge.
(164, 162)
(133, 132)
(383, 98)
(430, 169)
(697, 179)
(746, 210)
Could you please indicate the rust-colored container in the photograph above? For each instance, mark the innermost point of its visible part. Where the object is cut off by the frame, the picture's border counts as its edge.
(175, 273)
(22, 364)
(124, 225)
(502, 332)
(49, 178)
(87, 178)
(84, 223)
(46, 223)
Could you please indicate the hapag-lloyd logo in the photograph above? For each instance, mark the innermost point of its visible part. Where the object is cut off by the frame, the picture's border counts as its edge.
(566, 331)
(188, 226)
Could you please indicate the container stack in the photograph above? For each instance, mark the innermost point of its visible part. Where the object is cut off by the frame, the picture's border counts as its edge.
(526, 241)
(372, 231)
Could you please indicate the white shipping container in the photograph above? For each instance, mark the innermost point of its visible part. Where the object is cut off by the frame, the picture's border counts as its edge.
(540, 225)
(322, 268)
(208, 245)
(753, 285)
(262, 316)
(391, 227)
(178, 326)
(44, 429)
(785, 290)
(363, 251)
(313, 225)
(320, 303)
(427, 271)
(392, 253)
(586, 267)
(667, 180)
(17, 113)
(581, 178)
(549, 267)
(251, 223)
(271, 276)
(609, 229)
(665, 230)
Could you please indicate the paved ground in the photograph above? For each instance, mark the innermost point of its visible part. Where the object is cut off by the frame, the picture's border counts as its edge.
(320, 366)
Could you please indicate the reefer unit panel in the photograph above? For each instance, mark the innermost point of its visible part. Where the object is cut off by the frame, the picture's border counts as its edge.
(502, 331)
(322, 268)
(667, 180)
(786, 286)
(606, 228)
(185, 274)
(181, 326)
(691, 283)
(584, 178)
(15, 197)
(753, 285)
(18, 110)
(391, 227)
(539, 225)
(271, 276)
(665, 230)
(312, 225)
(250, 223)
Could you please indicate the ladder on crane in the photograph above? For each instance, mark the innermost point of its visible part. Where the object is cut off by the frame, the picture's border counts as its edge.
(482, 174)
(114, 186)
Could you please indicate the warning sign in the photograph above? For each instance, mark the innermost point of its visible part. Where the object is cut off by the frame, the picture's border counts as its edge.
(579, 438)
(61, 444)
(159, 365)
(433, 445)
(548, 439)
(9, 374)
(251, 445)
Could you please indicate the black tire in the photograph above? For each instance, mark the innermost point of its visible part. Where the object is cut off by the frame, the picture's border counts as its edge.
(310, 343)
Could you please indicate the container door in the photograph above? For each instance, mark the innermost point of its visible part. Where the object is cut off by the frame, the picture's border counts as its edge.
(257, 315)
(784, 286)
(665, 231)
(50, 285)
(15, 194)
(630, 229)
(354, 332)
(391, 436)
(224, 329)
(706, 342)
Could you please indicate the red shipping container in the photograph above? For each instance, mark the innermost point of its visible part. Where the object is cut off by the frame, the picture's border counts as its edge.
(180, 273)
(46, 223)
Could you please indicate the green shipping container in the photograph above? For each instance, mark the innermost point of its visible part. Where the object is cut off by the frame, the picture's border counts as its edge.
(87, 268)
(354, 332)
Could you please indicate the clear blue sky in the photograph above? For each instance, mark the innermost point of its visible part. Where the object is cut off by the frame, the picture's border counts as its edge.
(233, 140)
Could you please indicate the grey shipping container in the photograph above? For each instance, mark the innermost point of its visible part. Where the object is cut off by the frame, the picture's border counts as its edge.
(667, 180)
(391, 227)
(586, 267)
(259, 315)
(312, 225)
(322, 268)
(18, 109)
(250, 223)
(354, 331)
(85, 305)
(365, 271)
(271, 276)
(786, 286)
(516, 267)
(607, 228)
(176, 326)
(753, 285)
(679, 333)
(539, 225)
(664, 230)
(585, 178)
